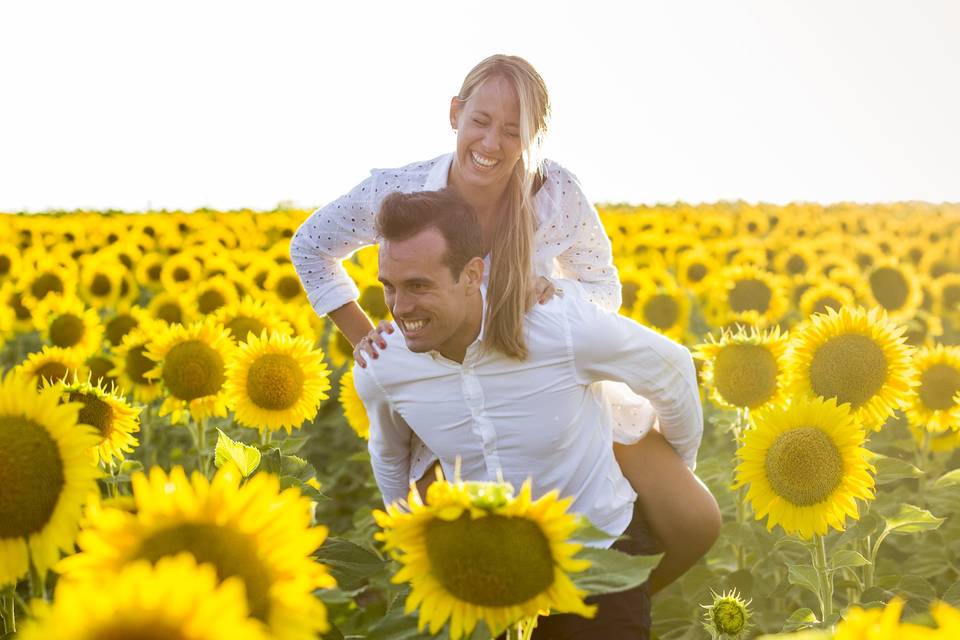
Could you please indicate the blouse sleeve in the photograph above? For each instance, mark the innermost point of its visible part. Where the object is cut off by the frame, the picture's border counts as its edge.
(329, 235)
(586, 267)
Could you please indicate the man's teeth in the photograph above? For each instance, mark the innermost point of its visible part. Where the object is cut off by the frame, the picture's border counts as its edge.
(414, 325)
(483, 162)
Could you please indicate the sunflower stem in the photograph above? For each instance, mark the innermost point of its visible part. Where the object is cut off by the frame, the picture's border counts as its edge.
(923, 458)
(868, 569)
(8, 609)
(202, 456)
(740, 550)
(824, 576)
(265, 436)
(112, 485)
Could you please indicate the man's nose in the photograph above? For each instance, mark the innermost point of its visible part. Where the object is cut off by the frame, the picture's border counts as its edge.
(401, 304)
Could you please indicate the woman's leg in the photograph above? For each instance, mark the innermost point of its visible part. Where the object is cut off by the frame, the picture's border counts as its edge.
(679, 509)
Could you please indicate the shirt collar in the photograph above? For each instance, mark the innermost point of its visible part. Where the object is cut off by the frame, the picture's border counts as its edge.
(437, 178)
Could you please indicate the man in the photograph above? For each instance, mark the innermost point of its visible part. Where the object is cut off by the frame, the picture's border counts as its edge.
(509, 418)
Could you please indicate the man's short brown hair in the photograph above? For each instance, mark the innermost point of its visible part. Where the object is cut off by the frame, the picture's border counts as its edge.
(404, 215)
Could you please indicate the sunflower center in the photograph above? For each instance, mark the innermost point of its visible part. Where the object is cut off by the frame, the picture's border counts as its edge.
(373, 303)
(52, 371)
(750, 295)
(119, 327)
(826, 302)
(99, 368)
(100, 286)
(850, 368)
(662, 311)
(153, 272)
(138, 364)
(66, 330)
(696, 272)
(288, 287)
(889, 287)
(728, 617)
(5, 264)
(138, 630)
(231, 552)
(240, 326)
(951, 297)
(494, 561)
(796, 264)
(275, 381)
(745, 375)
(193, 370)
(804, 466)
(31, 476)
(46, 283)
(16, 301)
(938, 385)
(180, 274)
(629, 294)
(94, 412)
(210, 300)
(170, 312)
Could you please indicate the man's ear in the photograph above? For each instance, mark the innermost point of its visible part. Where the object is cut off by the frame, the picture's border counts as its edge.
(456, 105)
(473, 272)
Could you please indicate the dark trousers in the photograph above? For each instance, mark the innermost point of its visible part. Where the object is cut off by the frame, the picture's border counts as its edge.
(620, 616)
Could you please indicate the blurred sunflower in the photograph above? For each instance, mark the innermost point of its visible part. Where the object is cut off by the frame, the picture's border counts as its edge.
(180, 272)
(11, 297)
(745, 369)
(459, 569)
(47, 475)
(129, 290)
(212, 294)
(9, 262)
(353, 409)
(923, 329)
(99, 366)
(936, 405)
(259, 270)
(248, 530)
(825, 295)
(894, 286)
(250, 315)
(175, 599)
(665, 308)
(47, 276)
(371, 299)
(694, 268)
(191, 367)
(114, 419)
(946, 291)
(284, 284)
(148, 270)
(50, 365)
(120, 323)
(131, 365)
(746, 294)
(805, 466)
(68, 323)
(276, 383)
(856, 356)
(171, 308)
(795, 260)
(338, 348)
(99, 282)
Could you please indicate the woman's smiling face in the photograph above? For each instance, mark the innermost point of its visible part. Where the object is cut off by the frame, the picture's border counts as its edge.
(488, 135)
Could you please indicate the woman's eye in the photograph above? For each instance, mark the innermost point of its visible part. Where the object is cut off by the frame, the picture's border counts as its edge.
(479, 123)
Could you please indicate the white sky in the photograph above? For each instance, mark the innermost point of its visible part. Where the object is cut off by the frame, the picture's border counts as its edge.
(177, 104)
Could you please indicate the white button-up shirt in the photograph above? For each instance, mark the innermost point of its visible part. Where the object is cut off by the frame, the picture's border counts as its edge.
(536, 418)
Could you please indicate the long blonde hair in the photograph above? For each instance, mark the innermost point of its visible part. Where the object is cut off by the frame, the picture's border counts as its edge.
(510, 287)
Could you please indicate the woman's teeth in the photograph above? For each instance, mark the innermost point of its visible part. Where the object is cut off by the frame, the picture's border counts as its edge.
(483, 161)
(413, 325)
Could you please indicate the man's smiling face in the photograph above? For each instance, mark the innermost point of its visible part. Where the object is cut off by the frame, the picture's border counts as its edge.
(433, 308)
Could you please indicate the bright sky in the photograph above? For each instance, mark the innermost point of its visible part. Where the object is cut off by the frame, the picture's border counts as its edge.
(183, 104)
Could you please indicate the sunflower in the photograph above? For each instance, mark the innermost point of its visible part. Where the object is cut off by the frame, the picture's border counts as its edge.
(191, 366)
(923, 329)
(250, 315)
(100, 281)
(49, 275)
(665, 308)
(11, 297)
(171, 308)
(894, 286)
(148, 270)
(122, 322)
(300, 318)
(856, 356)
(99, 367)
(69, 324)
(114, 419)
(806, 466)
(212, 294)
(694, 268)
(52, 364)
(746, 294)
(745, 369)
(131, 364)
(825, 295)
(284, 284)
(795, 260)
(174, 599)
(728, 615)
(129, 290)
(180, 272)
(46, 475)
(353, 409)
(248, 530)
(935, 406)
(947, 296)
(276, 383)
(9, 262)
(475, 552)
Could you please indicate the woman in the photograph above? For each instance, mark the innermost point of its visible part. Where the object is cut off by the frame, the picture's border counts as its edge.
(545, 235)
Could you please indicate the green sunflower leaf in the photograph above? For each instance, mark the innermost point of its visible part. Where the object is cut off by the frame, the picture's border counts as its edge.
(349, 563)
(847, 558)
(805, 576)
(949, 479)
(892, 469)
(800, 619)
(246, 458)
(911, 519)
(612, 571)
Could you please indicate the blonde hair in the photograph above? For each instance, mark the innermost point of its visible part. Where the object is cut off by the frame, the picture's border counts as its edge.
(510, 287)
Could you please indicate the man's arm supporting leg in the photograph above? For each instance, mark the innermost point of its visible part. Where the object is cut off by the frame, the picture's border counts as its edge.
(679, 509)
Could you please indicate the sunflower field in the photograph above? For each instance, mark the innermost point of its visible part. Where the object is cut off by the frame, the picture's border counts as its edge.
(183, 454)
